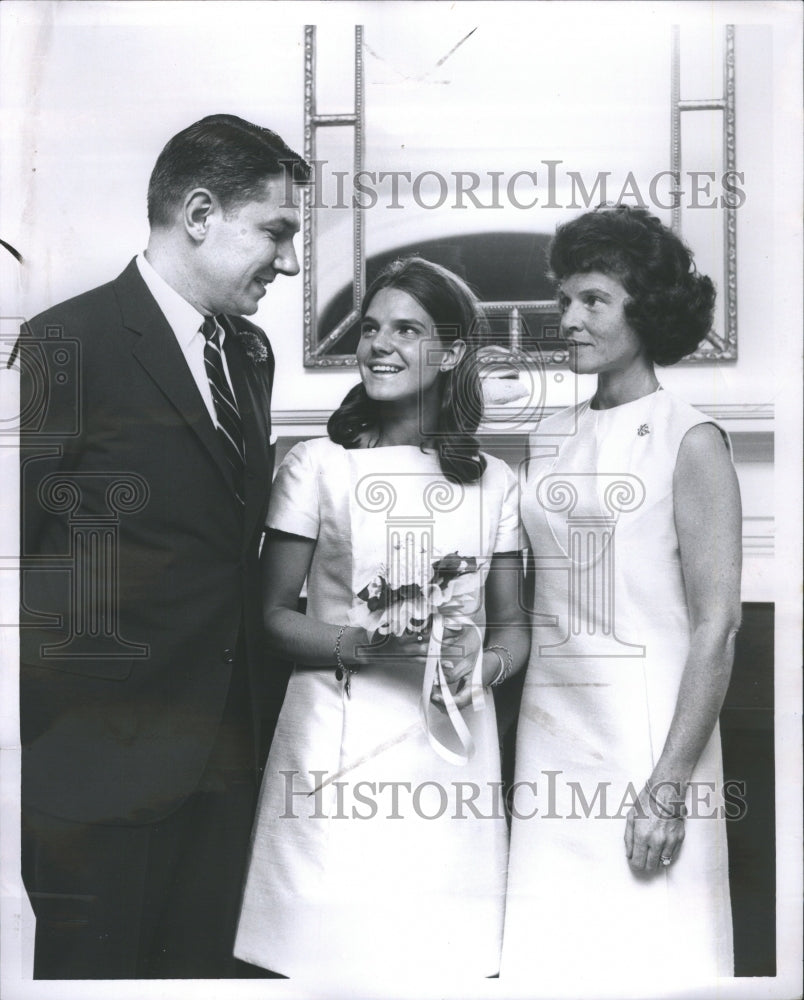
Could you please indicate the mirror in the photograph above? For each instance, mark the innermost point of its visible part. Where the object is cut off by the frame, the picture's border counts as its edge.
(467, 146)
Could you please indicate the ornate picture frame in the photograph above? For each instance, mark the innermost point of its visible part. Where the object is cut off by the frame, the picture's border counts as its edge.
(520, 324)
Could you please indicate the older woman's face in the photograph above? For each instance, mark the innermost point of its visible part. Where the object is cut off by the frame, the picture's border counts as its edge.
(594, 326)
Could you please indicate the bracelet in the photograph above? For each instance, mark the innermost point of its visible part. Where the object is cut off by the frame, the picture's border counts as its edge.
(666, 810)
(501, 671)
(506, 665)
(341, 669)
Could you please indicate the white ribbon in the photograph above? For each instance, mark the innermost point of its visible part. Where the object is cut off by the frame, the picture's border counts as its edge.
(434, 670)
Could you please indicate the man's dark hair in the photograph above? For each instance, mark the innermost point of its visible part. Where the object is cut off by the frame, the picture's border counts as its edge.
(226, 154)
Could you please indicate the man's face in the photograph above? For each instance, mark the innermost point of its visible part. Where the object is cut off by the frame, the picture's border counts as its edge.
(245, 248)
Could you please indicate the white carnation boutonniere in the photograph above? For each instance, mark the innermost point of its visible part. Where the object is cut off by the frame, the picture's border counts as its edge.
(254, 345)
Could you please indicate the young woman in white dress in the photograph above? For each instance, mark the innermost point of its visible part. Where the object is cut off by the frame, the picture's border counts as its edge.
(632, 510)
(380, 846)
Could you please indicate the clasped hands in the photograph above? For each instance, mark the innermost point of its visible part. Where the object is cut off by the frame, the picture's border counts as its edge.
(458, 655)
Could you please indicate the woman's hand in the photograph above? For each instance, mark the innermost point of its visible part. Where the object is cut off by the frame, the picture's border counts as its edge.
(652, 839)
(458, 655)
(459, 651)
(410, 647)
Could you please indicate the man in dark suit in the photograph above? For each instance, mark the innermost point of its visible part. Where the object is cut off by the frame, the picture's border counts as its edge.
(145, 474)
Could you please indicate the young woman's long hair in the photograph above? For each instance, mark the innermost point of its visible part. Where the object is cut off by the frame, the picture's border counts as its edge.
(456, 314)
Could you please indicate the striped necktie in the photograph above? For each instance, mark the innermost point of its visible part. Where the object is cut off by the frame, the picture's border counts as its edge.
(230, 428)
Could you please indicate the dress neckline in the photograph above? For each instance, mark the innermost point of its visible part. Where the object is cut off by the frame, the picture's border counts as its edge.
(387, 447)
(622, 407)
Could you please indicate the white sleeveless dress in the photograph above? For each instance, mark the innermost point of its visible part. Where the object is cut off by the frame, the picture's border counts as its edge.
(370, 866)
(609, 645)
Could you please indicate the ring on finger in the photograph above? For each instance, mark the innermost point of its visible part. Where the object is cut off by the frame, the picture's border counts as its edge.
(665, 860)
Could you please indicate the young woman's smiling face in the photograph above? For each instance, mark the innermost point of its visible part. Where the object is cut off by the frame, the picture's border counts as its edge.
(594, 325)
(399, 355)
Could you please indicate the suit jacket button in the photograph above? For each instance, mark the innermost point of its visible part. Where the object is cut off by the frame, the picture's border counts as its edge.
(227, 656)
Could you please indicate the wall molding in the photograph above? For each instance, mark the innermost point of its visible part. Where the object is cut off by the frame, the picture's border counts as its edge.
(718, 411)
(758, 535)
(750, 426)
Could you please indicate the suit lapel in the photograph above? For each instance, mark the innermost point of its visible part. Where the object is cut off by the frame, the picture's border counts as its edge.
(155, 347)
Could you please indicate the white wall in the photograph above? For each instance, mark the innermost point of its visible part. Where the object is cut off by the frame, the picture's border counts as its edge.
(92, 90)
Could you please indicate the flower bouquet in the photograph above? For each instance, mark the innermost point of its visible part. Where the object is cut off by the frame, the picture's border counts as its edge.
(416, 594)
(404, 596)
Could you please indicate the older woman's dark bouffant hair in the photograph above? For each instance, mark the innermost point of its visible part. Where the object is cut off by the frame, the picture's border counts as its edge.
(670, 305)
(456, 314)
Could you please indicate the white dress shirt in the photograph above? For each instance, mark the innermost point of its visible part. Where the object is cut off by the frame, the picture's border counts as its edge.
(185, 322)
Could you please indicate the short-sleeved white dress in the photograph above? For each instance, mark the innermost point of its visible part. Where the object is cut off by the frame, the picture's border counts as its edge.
(375, 860)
